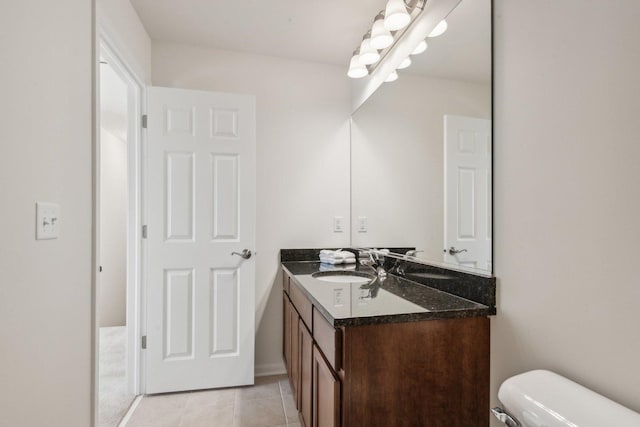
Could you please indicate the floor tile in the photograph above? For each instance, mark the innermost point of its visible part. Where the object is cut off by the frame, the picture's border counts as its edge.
(285, 386)
(259, 413)
(260, 391)
(290, 408)
(269, 403)
(269, 379)
(220, 415)
(159, 411)
(223, 396)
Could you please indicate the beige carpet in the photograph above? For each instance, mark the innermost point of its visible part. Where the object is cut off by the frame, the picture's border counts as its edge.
(113, 398)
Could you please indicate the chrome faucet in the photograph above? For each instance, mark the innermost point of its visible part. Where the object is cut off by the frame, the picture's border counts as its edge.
(376, 263)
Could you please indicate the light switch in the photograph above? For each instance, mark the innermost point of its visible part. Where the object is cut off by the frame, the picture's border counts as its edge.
(47, 220)
(337, 224)
(362, 224)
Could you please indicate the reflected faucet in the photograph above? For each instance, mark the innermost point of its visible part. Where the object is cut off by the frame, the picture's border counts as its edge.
(400, 266)
(372, 290)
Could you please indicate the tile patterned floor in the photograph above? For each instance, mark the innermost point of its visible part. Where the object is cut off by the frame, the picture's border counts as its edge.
(268, 403)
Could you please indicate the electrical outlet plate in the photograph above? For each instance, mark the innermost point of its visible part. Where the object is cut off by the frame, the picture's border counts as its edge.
(362, 224)
(337, 224)
(47, 220)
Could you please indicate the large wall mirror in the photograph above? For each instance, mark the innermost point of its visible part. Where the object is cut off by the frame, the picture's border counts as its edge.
(421, 150)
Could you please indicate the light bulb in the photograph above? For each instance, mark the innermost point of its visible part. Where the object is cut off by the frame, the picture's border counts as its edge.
(391, 77)
(396, 16)
(422, 46)
(439, 29)
(381, 38)
(404, 64)
(356, 69)
(368, 55)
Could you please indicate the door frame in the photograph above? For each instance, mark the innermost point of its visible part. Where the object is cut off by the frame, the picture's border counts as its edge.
(134, 243)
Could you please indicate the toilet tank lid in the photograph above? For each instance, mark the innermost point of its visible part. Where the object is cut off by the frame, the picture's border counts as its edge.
(543, 398)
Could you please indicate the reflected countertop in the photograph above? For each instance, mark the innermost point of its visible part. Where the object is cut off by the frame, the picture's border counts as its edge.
(389, 300)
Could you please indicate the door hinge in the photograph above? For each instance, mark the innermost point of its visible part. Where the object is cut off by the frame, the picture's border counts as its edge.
(144, 231)
(144, 121)
(144, 342)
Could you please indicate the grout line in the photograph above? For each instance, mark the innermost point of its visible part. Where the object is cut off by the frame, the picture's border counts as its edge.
(129, 414)
(284, 410)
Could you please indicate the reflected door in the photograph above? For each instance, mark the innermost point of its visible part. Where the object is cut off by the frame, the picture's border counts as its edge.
(200, 207)
(467, 212)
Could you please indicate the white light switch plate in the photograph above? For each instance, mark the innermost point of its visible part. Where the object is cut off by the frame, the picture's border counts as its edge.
(47, 220)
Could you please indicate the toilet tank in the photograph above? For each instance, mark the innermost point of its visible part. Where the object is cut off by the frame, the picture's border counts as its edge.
(544, 399)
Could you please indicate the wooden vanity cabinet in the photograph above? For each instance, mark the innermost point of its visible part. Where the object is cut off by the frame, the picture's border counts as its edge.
(432, 373)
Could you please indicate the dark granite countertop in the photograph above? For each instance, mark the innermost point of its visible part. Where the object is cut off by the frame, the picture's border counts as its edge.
(391, 300)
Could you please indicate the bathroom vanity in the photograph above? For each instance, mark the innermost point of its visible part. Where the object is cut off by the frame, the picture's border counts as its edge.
(392, 352)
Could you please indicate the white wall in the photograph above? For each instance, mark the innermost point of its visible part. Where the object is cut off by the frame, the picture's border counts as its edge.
(122, 26)
(302, 152)
(567, 193)
(113, 230)
(397, 160)
(46, 143)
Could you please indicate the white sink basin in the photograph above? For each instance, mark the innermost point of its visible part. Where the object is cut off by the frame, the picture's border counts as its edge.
(343, 277)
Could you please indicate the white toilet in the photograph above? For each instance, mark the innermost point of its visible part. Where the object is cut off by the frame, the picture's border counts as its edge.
(545, 399)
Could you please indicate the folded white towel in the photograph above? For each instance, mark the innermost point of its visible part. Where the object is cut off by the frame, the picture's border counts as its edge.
(328, 256)
(329, 267)
(336, 260)
(331, 260)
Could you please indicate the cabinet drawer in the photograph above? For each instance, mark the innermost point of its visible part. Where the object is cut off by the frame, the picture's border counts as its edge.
(329, 339)
(301, 303)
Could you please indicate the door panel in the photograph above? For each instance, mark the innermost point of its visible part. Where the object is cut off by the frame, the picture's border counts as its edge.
(326, 393)
(468, 191)
(200, 207)
(306, 364)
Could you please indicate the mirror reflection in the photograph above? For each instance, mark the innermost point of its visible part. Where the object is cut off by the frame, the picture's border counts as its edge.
(421, 150)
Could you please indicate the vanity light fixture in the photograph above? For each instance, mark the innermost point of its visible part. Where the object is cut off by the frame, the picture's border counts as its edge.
(356, 68)
(388, 26)
(391, 77)
(381, 38)
(422, 46)
(368, 55)
(404, 64)
(396, 16)
(439, 29)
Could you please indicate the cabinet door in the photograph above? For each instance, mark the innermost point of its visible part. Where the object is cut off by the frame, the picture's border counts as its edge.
(326, 393)
(306, 365)
(294, 374)
(286, 332)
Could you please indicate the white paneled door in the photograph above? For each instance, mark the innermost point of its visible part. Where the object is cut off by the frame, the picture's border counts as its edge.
(467, 212)
(200, 207)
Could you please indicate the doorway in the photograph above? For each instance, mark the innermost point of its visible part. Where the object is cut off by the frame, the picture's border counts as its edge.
(118, 242)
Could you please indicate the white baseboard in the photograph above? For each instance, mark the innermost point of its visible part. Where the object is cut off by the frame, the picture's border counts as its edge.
(270, 369)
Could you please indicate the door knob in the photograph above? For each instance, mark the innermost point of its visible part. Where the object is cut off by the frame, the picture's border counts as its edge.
(454, 251)
(246, 253)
